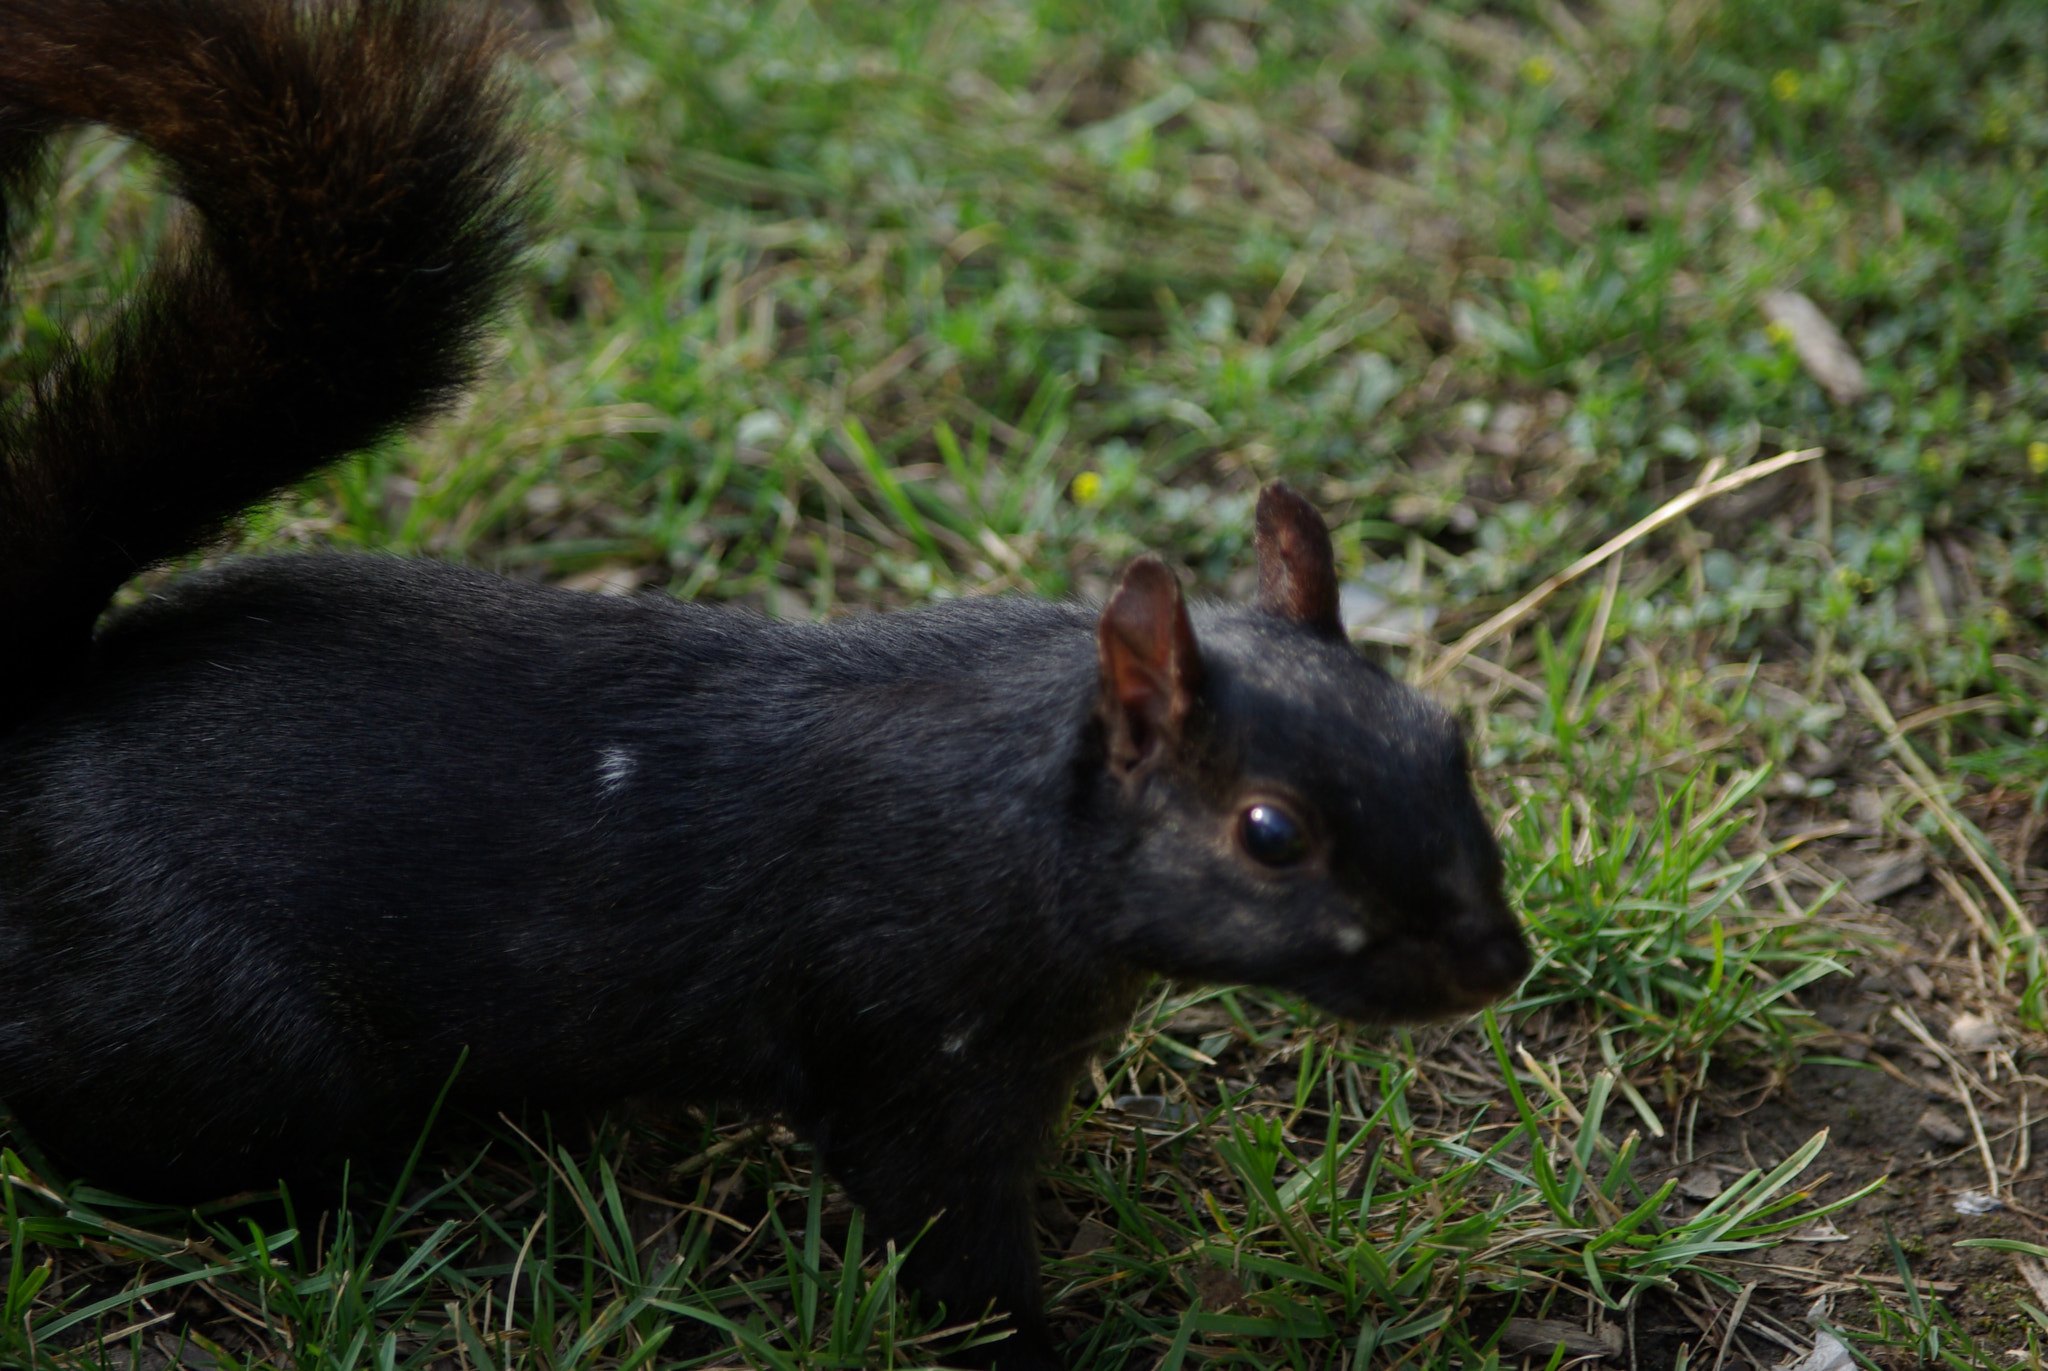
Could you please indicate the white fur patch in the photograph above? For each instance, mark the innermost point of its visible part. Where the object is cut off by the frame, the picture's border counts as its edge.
(614, 766)
(954, 1043)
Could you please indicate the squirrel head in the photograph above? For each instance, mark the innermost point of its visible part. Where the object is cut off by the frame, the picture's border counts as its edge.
(1301, 819)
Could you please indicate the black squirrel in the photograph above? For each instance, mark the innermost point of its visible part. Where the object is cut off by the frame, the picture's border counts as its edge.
(283, 842)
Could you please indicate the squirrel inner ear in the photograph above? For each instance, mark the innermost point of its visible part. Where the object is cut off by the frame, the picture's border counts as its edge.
(1297, 568)
(1151, 667)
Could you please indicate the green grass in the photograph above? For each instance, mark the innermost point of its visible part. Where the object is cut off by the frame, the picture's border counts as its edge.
(851, 306)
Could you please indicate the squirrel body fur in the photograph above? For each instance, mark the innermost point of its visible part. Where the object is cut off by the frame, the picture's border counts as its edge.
(284, 842)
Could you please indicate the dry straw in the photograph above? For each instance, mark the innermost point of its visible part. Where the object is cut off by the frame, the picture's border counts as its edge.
(1708, 488)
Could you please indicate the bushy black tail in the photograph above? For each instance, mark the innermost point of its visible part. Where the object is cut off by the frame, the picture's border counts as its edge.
(361, 200)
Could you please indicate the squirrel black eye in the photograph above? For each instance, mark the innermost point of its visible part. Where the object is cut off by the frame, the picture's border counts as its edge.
(1272, 836)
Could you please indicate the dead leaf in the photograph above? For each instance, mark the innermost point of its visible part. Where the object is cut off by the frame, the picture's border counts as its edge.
(1941, 1127)
(1828, 1354)
(1524, 1336)
(1202, 1018)
(609, 579)
(1374, 610)
(1820, 345)
(183, 1354)
(1973, 1032)
(1700, 1183)
(1888, 876)
(1217, 1289)
(2035, 1275)
(1155, 1113)
(1507, 435)
(1091, 1236)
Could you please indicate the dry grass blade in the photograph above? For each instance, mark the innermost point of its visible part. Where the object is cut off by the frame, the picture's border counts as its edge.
(1915, 775)
(1671, 509)
(1734, 1323)
(1967, 1083)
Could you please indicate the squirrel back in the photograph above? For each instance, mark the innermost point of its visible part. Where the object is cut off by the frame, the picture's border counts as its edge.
(359, 204)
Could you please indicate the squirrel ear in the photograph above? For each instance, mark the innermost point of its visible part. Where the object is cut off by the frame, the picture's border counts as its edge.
(1151, 668)
(1297, 569)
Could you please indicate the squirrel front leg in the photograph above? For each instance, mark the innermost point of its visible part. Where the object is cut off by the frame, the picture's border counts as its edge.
(967, 1222)
(946, 1170)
